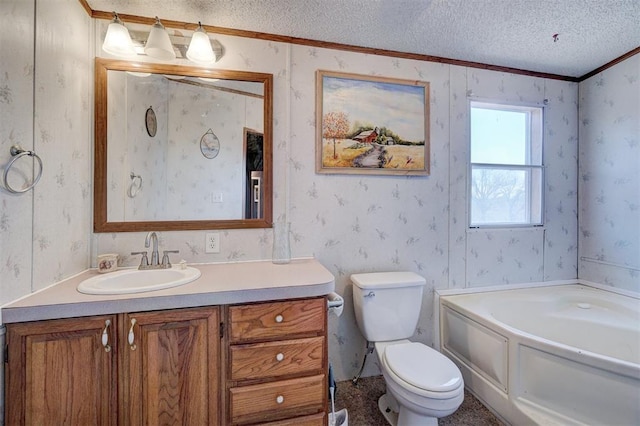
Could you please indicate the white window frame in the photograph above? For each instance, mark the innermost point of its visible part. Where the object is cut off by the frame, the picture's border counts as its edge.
(535, 119)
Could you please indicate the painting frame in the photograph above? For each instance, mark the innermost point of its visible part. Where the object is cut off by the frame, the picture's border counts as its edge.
(398, 143)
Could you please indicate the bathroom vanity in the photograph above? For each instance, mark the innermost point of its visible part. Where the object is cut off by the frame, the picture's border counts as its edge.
(246, 343)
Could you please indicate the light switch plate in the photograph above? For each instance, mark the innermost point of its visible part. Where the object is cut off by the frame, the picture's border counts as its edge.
(212, 242)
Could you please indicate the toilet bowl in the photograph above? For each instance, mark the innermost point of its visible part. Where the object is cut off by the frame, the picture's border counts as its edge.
(422, 384)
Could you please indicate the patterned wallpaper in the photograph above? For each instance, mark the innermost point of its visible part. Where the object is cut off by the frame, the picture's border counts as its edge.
(520, 254)
(609, 177)
(46, 106)
(351, 224)
(16, 127)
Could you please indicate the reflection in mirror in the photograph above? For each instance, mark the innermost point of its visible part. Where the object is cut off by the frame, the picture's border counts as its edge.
(188, 152)
(254, 156)
(174, 149)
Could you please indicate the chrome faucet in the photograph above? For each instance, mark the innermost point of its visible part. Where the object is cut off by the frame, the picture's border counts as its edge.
(152, 237)
(154, 254)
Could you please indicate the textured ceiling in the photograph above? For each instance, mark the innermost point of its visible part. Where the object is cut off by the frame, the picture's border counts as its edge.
(508, 33)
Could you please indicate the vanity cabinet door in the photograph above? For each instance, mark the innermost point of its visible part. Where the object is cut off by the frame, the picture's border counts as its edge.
(62, 372)
(171, 367)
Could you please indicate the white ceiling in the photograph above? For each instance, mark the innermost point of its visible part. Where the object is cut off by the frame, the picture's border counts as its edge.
(509, 33)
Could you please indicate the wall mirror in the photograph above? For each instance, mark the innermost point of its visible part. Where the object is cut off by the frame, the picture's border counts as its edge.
(181, 148)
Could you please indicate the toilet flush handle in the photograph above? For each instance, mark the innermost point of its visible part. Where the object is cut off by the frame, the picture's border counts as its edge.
(370, 294)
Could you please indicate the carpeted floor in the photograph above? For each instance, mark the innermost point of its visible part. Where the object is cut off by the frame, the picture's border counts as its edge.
(361, 402)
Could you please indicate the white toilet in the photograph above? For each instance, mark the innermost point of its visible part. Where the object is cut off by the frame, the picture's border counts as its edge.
(422, 384)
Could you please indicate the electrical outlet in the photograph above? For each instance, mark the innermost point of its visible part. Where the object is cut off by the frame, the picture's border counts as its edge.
(212, 243)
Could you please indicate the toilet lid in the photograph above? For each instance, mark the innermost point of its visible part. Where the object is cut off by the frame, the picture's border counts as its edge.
(423, 367)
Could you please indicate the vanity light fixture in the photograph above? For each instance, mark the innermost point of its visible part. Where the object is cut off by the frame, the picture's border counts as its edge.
(159, 44)
(118, 42)
(200, 50)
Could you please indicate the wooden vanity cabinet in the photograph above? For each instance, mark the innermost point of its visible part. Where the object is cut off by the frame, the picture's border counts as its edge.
(277, 363)
(145, 368)
(172, 367)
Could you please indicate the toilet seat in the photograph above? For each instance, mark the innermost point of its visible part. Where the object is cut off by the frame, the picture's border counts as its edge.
(423, 367)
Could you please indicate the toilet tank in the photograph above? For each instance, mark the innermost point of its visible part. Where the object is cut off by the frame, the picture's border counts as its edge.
(387, 304)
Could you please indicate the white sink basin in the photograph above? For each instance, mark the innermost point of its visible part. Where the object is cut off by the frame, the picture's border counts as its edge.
(138, 281)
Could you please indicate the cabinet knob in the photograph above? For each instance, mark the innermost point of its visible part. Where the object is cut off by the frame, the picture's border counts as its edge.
(280, 399)
(279, 318)
(280, 357)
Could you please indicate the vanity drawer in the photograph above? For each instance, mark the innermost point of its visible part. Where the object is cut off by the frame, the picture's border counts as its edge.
(277, 400)
(271, 359)
(268, 321)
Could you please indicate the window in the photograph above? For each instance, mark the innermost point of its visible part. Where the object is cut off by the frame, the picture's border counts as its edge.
(506, 171)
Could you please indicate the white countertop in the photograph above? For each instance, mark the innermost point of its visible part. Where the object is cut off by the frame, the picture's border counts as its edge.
(219, 284)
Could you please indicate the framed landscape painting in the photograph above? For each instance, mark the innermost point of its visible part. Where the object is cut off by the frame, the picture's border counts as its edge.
(371, 125)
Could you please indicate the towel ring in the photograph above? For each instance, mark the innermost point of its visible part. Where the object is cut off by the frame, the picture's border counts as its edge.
(17, 152)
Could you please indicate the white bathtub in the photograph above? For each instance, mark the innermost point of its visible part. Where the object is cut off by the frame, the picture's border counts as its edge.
(565, 354)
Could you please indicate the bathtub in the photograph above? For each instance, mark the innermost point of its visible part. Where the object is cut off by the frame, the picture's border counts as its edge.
(562, 354)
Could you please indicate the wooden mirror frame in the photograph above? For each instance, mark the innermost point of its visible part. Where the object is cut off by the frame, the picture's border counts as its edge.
(100, 222)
